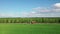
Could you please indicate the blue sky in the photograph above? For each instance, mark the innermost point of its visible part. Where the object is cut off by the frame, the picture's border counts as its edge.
(29, 8)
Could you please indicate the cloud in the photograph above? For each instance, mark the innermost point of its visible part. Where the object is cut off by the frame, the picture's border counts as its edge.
(57, 5)
(41, 9)
(36, 12)
(46, 12)
(55, 8)
(9, 14)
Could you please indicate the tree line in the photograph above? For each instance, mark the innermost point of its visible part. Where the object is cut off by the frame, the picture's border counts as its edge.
(29, 20)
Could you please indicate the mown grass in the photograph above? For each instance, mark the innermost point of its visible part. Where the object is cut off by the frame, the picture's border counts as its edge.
(29, 28)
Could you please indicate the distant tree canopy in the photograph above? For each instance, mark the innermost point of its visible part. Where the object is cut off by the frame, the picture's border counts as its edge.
(29, 20)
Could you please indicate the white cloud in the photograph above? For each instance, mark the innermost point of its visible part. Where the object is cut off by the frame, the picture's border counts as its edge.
(56, 10)
(36, 12)
(33, 12)
(57, 5)
(9, 14)
(41, 9)
(46, 12)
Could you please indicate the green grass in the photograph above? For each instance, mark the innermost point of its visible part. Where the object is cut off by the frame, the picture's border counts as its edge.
(29, 28)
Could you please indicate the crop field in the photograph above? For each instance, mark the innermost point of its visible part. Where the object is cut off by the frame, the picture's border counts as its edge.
(15, 28)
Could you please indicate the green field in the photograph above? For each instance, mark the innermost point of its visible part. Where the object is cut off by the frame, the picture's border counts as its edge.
(29, 28)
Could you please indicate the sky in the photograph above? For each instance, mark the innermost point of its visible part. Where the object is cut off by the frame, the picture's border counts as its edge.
(29, 8)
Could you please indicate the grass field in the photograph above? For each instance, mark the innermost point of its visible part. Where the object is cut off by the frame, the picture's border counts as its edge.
(29, 28)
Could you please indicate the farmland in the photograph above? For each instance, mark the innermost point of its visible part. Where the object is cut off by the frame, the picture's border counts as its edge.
(12, 28)
(18, 26)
